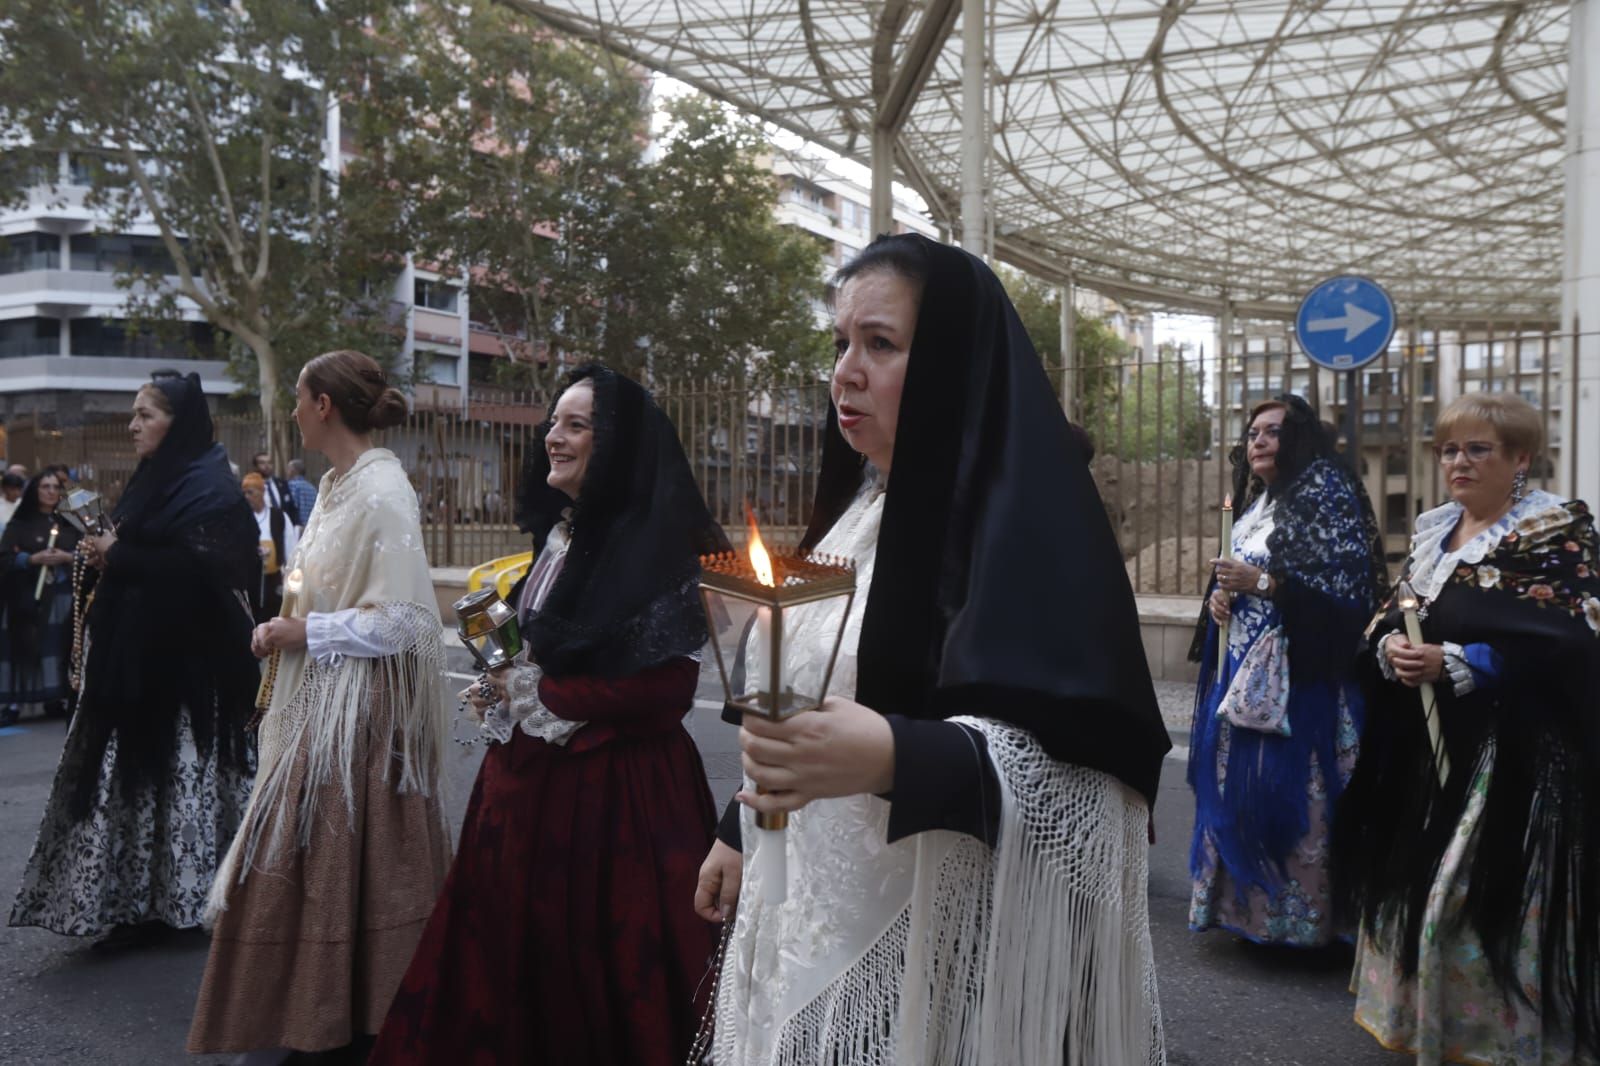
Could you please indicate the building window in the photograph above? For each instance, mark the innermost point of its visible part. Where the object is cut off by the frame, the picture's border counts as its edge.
(1398, 521)
(441, 369)
(29, 336)
(110, 337)
(435, 295)
(30, 251)
(109, 255)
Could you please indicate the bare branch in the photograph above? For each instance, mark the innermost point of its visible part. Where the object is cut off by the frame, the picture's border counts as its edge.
(236, 245)
(169, 239)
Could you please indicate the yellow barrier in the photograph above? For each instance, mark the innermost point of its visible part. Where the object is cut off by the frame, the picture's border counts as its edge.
(502, 573)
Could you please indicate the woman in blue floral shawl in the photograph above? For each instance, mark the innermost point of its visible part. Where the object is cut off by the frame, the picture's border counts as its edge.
(1477, 876)
(1276, 730)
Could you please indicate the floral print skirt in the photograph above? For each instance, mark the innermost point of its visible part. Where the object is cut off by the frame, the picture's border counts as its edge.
(1452, 1010)
(129, 863)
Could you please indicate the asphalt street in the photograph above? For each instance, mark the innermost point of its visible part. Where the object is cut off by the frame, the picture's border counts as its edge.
(1224, 1001)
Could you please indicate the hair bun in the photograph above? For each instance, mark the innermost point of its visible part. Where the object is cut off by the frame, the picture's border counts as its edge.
(390, 409)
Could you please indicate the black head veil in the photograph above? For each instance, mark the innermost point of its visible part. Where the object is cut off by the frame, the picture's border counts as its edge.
(628, 596)
(998, 588)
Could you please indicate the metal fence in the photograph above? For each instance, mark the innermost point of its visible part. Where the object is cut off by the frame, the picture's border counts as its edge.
(1162, 426)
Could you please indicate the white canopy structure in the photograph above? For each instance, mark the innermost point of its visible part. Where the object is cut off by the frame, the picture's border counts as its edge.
(1187, 154)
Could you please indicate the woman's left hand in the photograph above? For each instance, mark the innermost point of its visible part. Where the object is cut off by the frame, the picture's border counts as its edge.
(844, 749)
(1415, 664)
(280, 634)
(1234, 575)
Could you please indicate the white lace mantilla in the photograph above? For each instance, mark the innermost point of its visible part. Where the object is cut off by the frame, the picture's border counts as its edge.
(937, 949)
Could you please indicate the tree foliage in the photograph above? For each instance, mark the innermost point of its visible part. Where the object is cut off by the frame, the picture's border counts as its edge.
(533, 152)
(207, 121)
(1098, 352)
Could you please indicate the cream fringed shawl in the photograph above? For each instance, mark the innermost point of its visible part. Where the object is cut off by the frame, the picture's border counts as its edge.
(937, 949)
(362, 549)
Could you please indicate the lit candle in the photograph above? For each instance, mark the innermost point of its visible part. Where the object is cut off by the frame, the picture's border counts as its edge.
(771, 859)
(1407, 597)
(1225, 542)
(44, 571)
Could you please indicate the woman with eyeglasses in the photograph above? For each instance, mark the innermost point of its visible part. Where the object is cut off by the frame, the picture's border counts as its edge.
(1475, 869)
(1277, 717)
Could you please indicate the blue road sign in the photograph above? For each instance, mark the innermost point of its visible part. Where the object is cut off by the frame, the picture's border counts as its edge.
(1345, 322)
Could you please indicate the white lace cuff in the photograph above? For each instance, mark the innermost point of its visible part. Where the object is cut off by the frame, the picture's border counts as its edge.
(1384, 666)
(1460, 671)
(525, 711)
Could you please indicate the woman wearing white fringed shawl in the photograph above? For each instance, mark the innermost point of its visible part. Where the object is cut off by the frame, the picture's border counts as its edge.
(330, 881)
(967, 853)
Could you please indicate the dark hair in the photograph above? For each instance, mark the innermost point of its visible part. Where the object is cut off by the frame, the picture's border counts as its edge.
(358, 388)
(157, 394)
(902, 254)
(1301, 442)
(12, 481)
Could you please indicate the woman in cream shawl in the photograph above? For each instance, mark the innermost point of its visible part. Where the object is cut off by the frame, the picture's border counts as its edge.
(327, 888)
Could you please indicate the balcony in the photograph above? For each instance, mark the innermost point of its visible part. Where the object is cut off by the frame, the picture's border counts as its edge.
(12, 349)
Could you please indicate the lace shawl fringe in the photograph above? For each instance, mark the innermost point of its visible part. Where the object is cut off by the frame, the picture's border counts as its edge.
(1038, 952)
(324, 719)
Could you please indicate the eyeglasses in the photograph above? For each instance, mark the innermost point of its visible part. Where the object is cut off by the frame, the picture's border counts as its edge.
(1476, 451)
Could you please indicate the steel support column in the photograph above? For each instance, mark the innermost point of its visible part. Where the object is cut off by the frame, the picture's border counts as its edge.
(974, 126)
(1580, 269)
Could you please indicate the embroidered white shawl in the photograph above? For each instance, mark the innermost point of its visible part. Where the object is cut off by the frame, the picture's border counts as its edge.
(363, 549)
(937, 949)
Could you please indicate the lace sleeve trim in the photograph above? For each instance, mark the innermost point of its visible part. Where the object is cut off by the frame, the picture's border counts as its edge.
(525, 711)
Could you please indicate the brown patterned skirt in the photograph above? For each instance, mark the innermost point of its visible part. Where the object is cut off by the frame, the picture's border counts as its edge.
(314, 942)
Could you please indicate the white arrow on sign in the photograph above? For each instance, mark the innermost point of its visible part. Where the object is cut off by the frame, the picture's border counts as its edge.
(1355, 321)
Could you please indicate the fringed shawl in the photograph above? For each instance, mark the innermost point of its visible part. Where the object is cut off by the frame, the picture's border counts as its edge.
(362, 549)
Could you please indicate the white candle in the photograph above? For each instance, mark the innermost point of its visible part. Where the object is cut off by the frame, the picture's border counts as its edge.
(762, 662)
(44, 571)
(1226, 550)
(1430, 707)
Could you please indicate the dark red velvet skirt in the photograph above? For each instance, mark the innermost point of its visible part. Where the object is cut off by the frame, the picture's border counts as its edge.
(566, 932)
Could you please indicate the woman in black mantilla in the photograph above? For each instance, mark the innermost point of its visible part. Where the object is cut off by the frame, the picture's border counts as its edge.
(36, 555)
(563, 934)
(157, 765)
(1275, 733)
(967, 854)
(1479, 895)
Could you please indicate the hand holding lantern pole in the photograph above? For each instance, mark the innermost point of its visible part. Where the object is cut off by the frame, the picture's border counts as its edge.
(1407, 599)
(746, 600)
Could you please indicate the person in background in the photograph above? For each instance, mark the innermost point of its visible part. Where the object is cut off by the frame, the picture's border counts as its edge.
(1477, 882)
(301, 491)
(278, 541)
(157, 764)
(11, 486)
(277, 489)
(35, 640)
(1275, 730)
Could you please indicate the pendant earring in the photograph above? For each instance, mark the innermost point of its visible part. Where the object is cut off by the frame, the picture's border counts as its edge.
(1519, 485)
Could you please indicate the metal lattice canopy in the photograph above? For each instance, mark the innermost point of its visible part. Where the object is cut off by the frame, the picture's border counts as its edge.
(1180, 153)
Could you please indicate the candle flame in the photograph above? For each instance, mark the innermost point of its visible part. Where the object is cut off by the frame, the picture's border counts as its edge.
(1406, 596)
(1227, 502)
(759, 559)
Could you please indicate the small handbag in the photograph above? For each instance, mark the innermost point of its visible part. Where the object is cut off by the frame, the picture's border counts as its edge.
(1258, 696)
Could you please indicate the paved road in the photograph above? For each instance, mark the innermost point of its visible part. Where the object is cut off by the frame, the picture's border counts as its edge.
(1225, 1002)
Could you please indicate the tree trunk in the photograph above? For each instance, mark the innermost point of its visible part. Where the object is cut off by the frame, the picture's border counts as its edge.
(277, 444)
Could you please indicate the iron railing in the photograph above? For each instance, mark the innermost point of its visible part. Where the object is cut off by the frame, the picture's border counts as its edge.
(1162, 426)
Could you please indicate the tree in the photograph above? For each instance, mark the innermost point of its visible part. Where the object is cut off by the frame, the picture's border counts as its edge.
(1163, 410)
(209, 120)
(532, 150)
(1099, 354)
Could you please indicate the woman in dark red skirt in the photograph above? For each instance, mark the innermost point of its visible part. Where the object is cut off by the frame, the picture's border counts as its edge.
(564, 933)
